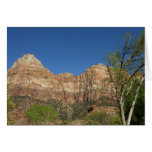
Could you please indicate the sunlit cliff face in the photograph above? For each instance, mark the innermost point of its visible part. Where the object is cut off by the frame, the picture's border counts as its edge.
(28, 77)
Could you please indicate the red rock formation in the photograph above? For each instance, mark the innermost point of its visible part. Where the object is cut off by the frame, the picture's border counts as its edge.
(28, 77)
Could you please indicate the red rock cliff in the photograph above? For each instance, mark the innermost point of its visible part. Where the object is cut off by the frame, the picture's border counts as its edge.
(28, 77)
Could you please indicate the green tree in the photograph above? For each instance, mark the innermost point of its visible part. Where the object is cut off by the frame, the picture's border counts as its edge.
(124, 66)
(39, 114)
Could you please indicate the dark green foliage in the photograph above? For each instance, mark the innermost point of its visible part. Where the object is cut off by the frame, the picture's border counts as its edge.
(41, 113)
(102, 118)
(138, 117)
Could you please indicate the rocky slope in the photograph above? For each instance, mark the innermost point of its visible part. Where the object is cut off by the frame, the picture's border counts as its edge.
(28, 77)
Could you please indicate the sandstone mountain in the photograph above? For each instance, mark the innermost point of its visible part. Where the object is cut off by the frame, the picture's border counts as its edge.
(28, 77)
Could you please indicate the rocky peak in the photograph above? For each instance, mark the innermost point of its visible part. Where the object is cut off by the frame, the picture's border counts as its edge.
(28, 60)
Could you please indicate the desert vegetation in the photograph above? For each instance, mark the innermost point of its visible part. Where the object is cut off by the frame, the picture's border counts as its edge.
(25, 110)
(52, 112)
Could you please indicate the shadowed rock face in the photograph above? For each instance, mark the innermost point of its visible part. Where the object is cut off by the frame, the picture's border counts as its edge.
(28, 77)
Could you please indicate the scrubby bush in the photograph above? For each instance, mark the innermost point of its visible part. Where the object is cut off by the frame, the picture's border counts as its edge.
(64, 109)
(117, 120)
(10, 104)
(40, 114)
(81, 110)
(101, 118)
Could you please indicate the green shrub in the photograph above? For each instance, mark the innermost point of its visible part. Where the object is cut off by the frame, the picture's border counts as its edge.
(100, 118)
(117, 120)
(41, 113)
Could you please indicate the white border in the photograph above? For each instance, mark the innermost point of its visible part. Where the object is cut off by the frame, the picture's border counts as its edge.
(74, 13)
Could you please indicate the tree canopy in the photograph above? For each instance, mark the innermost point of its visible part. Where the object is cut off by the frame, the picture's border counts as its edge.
(125, 66)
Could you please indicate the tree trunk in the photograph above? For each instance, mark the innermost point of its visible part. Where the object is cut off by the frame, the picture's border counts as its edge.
(134, 101)
(122, 113)
(121, 104)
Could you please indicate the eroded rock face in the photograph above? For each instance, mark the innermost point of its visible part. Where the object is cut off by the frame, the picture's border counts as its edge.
(28, 77)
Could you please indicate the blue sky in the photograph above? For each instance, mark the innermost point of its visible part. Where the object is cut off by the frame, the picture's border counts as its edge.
(70, 49)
